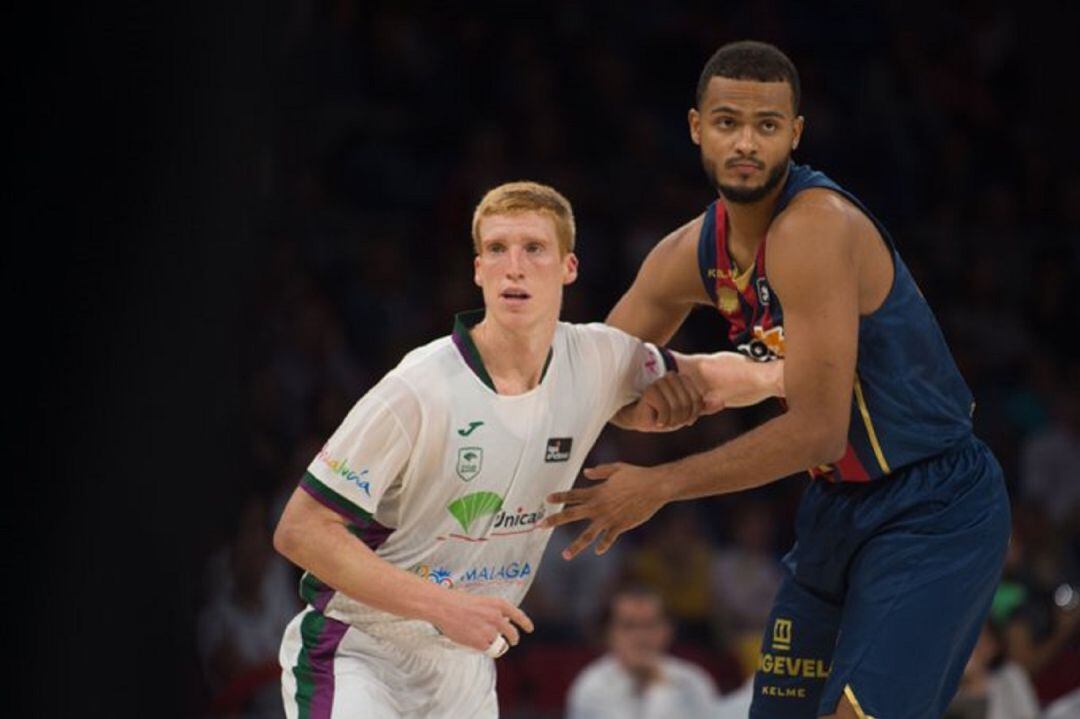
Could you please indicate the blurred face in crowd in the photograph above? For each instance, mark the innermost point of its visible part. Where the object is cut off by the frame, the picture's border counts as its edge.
(746, 130)
(521, 269)
(639, 633)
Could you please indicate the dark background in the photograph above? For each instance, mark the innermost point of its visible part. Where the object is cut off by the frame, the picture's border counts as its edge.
(230, 219)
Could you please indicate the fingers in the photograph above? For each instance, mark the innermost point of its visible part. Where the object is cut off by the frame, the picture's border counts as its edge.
(697, 399)
(663, 408)
(676, 400)
(508, 630)
(570, 496)
(601, 471)
(570, 514)
(520, 618)
(610, 535)
(584, 540)
(690, 401)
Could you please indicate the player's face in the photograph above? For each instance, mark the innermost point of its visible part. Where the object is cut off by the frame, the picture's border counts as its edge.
(746, 130)
(639, 632)
(520, 268)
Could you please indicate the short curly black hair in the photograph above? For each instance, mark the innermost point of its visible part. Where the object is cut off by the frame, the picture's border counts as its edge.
(750, 60)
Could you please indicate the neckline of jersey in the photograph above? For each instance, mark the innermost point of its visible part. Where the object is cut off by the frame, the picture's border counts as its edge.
(741, 276)
(463, 322)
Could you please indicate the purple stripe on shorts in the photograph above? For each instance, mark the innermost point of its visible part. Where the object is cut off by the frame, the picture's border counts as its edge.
(322, 667)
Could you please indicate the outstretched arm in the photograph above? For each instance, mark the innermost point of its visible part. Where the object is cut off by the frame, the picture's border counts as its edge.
(318, 540)
(704, 384)
(731, 379)
(812, 267)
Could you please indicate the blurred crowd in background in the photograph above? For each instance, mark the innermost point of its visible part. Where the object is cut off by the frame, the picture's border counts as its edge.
(392, 122)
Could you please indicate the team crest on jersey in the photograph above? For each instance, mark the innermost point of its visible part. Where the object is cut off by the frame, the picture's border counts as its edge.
(765, 344)
(558, 449)
(727, 300)
(763, 292)
(470, 460)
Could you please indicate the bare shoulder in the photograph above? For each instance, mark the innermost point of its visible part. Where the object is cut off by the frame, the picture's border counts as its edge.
(815, 236)
(671, 268)
(817, 212)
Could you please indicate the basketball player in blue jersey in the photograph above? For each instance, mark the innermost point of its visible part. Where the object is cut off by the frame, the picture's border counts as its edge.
(902, 531)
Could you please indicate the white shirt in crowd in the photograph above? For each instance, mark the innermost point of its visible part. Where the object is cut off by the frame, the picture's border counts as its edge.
(605, 690)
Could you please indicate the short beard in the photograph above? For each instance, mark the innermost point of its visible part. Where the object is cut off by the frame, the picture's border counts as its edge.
(748, 195)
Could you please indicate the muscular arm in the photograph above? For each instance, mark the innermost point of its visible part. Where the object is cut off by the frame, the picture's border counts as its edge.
(731, 379)
(811, 261)
(318, 540)
(812, 268)
(665, 290)
(667, 287)
(705, 384)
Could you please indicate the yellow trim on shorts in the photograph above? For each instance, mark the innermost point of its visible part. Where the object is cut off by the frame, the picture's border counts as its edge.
(865, 412)
(850, 694)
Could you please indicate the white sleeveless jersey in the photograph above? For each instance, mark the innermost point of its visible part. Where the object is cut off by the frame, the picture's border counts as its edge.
(446, 478)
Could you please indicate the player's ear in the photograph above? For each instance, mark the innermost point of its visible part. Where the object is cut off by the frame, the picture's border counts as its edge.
(694, 119)
(570, 266)
(800, 121)
(476, 271)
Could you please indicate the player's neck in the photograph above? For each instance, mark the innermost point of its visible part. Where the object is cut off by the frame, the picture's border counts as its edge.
(514, 357)
(748, 222)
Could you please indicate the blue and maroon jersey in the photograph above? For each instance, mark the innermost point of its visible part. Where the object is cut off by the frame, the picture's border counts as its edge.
(909, 401)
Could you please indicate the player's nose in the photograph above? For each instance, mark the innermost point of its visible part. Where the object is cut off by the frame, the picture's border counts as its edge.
(746, 141)
(515, 262)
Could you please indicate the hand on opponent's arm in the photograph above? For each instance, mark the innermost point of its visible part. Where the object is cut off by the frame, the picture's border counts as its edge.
(811, 264)
(317, 539)
(704, 384)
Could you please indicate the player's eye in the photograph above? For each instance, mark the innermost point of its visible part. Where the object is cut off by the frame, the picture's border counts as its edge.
(496, 248)
(534, 247)
(725, 123)
(769, 125)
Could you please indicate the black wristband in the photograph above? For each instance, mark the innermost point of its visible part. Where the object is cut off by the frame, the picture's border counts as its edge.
(670, 365)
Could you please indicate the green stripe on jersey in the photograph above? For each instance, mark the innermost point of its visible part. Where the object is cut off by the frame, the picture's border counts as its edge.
(350, 510)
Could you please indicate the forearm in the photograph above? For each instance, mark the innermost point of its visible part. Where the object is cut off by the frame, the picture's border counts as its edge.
(782, 446)
(733, 379)
(328, 550)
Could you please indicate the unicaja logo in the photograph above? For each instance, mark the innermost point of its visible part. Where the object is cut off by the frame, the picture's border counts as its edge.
(469, 508)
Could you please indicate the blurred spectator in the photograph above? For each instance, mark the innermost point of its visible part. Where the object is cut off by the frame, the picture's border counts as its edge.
(1067, 707)
(1034, 629)
(636, 678)
(1050, 459)
(252, 598)
(992, 688)
(675, 562)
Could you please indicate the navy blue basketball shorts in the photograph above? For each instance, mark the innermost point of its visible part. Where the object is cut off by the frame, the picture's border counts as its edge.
(886, 590)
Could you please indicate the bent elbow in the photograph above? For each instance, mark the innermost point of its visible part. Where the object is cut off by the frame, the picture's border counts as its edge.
(285, 540)
(826, 446)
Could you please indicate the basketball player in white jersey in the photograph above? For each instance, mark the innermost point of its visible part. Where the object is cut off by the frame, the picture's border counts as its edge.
(417, 522)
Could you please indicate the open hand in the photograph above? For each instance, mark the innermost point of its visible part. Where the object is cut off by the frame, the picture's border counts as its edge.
(629, 496)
